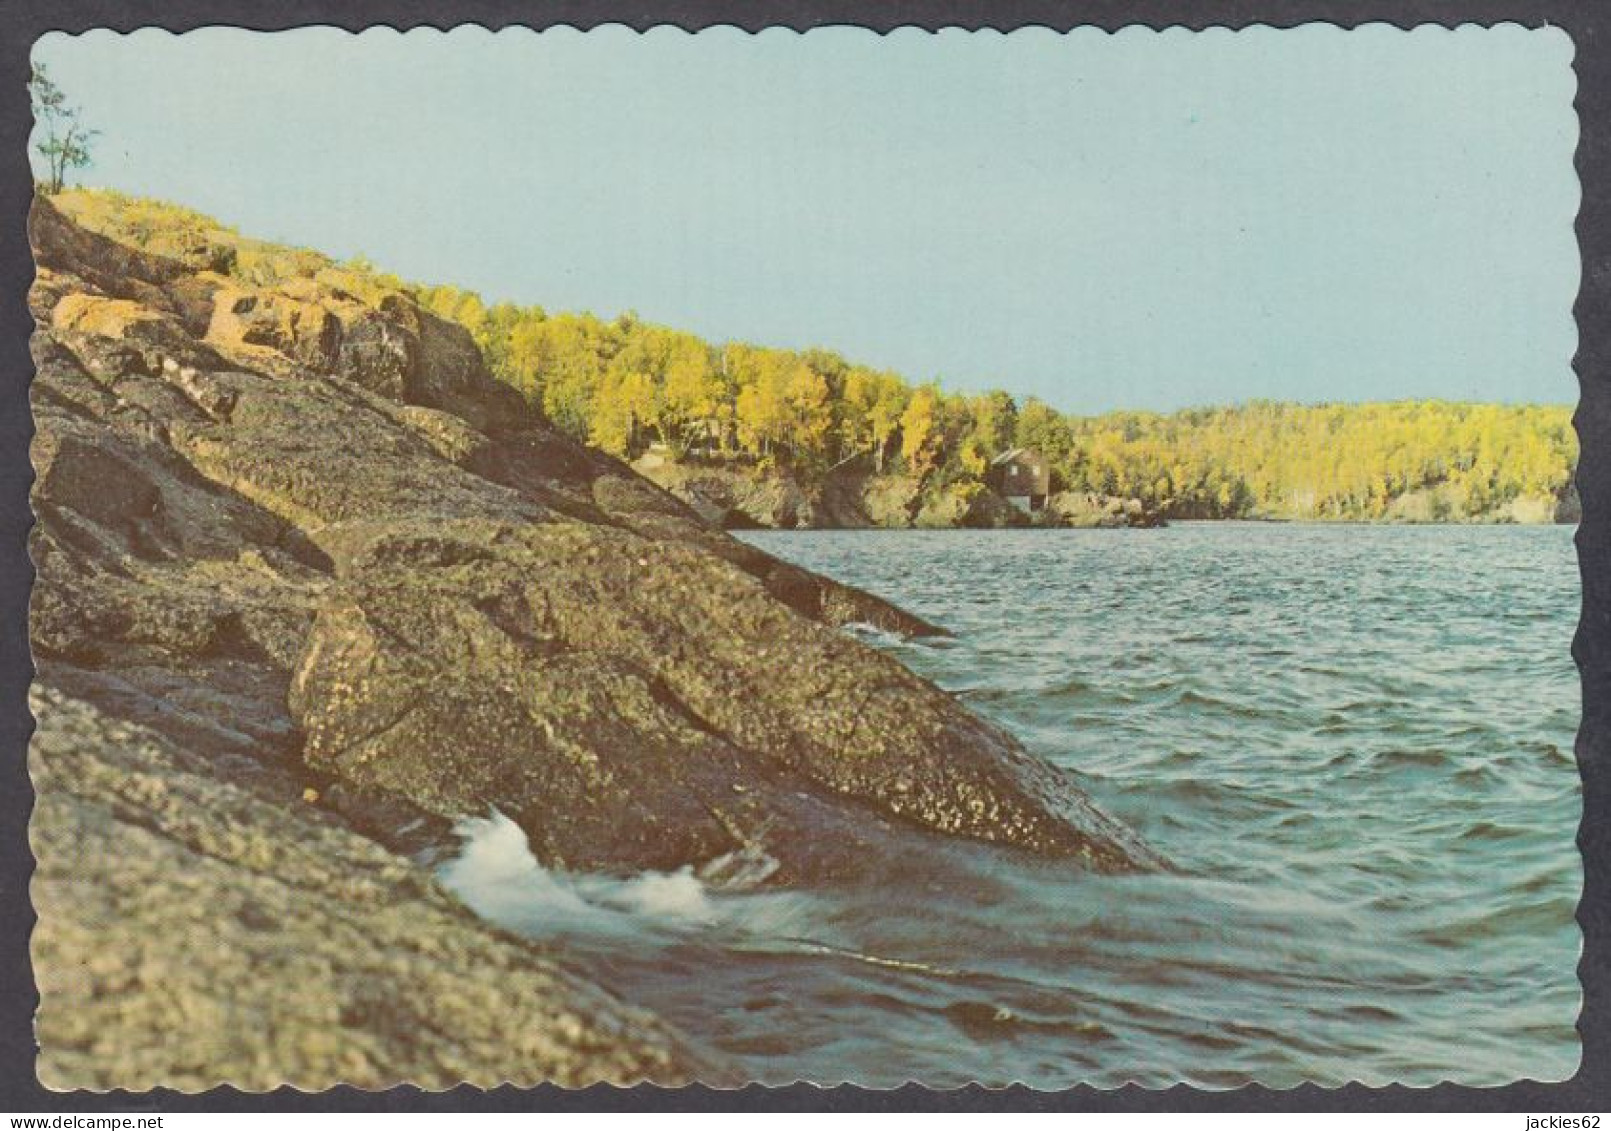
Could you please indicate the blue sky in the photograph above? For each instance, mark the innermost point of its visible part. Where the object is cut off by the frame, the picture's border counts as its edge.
(1144, 220)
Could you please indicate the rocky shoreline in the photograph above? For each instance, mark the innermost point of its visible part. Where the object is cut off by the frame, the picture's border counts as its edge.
(736, 496)
(740, 497)
(311, 586)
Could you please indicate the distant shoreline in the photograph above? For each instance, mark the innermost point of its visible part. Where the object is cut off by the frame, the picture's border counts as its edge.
(1318, 522)
(810, 438)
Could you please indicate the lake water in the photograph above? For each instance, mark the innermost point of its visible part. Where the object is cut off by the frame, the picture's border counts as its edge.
(1355, 742)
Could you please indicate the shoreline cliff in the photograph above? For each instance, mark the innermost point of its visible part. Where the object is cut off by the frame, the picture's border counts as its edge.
(739, 496)
(311, 586)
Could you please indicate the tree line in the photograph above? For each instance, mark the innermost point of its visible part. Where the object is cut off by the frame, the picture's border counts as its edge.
(624, 384)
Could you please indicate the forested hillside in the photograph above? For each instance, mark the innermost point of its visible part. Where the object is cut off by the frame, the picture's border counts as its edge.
(624, 384)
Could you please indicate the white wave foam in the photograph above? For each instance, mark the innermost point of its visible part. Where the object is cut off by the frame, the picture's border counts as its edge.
(661, 895)
(497, 877)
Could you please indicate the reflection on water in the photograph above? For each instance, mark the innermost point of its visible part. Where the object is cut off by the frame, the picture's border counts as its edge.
(1355, 741)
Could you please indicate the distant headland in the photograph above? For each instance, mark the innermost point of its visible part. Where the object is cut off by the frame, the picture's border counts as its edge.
(753, 436)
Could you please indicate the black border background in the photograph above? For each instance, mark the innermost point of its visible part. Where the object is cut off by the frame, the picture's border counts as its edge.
(1588, 23)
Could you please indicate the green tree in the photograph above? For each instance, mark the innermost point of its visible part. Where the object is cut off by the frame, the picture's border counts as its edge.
(66, 141)
(1042, 428)
(990, 426)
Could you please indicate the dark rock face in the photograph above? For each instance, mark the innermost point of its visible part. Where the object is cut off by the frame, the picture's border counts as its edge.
(293, 533)
(742, 497)
(639, 703)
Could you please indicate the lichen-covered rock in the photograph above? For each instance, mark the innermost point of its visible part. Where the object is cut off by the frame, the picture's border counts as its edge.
(1569, 507)
(268, 326)
(198, 929)
(635, 703)
(892, 501)
(740, 496)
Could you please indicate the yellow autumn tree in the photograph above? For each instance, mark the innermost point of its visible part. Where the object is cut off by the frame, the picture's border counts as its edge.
(691, 394)
(623, 405)
(559, 363)
(808, 414)
(919, 431)
(761, 405)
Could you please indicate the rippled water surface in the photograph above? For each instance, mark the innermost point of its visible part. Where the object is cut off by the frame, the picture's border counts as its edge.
(1354, 741)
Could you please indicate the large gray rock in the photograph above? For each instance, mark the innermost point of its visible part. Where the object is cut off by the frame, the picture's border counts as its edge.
(636, 703)
(735, 496)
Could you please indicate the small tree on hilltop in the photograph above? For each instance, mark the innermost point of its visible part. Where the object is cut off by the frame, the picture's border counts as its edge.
(66, 142)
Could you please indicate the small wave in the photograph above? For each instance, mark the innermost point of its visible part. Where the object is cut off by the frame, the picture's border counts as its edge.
(1516, 920)
(991, 1021)
(872, 634)
(748, 867)
(1409, 759)
(1473, 776)
(1492, 830)
(1191, 697)
(1375, 1014)
(910, 965)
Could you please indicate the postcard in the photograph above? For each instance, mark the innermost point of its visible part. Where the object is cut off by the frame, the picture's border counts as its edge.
(594, 555)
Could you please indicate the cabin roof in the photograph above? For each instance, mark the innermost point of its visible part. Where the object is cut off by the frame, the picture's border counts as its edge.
(1011, 454)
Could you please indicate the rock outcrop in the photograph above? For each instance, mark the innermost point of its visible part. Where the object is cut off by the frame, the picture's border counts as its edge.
(297, 530)
(1081, 509)
(202, 925)
(735, 497)
(740, 496)
(971, 506)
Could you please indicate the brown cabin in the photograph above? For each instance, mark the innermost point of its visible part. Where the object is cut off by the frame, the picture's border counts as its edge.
(1023, 477)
